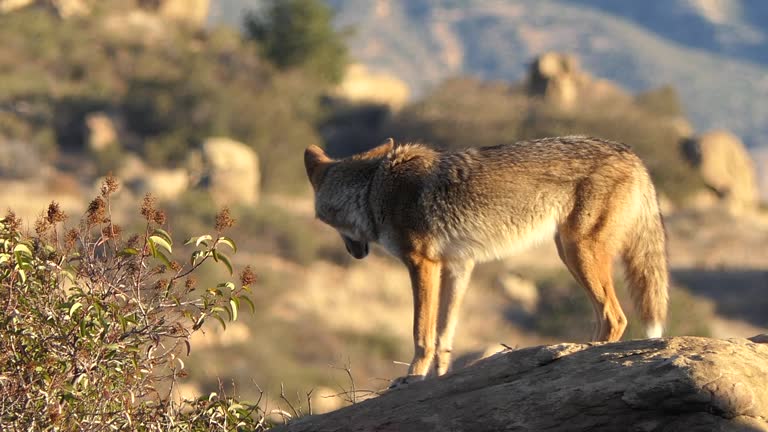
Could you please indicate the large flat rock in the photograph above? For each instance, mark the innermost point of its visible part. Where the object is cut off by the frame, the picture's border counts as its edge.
(670, 384)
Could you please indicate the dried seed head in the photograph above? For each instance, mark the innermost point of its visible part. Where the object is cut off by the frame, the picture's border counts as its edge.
(97, 211)
(159, 217)
(161, 284)
(110, 185)
(148, 207)
(133, 240)
(247, 277)
(160, 269)
(71, 238)
(190, 283)
(12, 222)
(224, 220)
(41, 224)
(54, 213)
(112, 231)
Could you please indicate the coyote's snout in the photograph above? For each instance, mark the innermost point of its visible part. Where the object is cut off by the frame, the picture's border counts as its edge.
(441, 212)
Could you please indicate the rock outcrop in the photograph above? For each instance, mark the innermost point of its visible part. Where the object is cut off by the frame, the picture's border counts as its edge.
(671, 384)
(230, 171)
(364, 86)
(12, 5)
(64, 8)
(559, 79)
(101, 131)
(192, 12)
(165, 184)
(726, 167)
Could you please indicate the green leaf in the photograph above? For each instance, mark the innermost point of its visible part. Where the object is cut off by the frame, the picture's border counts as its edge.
(21, 248)
(69, 274)
(152, 248)
(225, 259)
(250, 303)
(74, 308)
(190, 240)
(204, 240)
(199, 323)
(221, 320)
(233, 304)
(128, 251)
(4, 257)
(23, 275)
(229, 285)
(160, 241)
(229, 242)
(159, 255)
(194, 257)
(164, 234)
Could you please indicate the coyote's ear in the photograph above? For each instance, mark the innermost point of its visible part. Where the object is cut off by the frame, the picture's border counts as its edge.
(379, 151)
(316, 162)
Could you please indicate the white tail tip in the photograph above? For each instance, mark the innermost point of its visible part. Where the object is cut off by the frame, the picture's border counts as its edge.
(653, 330)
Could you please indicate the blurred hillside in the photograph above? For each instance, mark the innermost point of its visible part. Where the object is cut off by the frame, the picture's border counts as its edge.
(712, 52)
(734, 28)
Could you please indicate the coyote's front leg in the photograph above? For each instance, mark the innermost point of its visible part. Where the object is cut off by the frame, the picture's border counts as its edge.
(454, 280)
(425, 281)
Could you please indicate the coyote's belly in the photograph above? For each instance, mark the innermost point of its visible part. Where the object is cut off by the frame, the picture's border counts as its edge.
(492, 242)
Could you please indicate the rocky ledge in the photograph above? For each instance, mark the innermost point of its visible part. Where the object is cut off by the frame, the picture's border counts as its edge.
(669, 384)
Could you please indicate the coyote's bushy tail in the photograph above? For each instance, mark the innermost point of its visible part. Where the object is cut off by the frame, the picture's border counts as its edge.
(645, 259)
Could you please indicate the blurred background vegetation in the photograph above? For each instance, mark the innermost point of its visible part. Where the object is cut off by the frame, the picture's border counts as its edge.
(206, 110)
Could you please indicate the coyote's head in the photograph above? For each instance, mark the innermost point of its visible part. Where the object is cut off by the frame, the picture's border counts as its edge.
(341, 193)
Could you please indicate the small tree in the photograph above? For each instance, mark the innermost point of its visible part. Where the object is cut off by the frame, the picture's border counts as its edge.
(299, 33)
(94, 327)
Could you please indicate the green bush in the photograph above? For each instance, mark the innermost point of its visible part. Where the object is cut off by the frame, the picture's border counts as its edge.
(299, 33)
(96, 324)
(170, 93)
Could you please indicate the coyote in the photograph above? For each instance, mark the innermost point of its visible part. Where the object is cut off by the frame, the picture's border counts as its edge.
(440, 212)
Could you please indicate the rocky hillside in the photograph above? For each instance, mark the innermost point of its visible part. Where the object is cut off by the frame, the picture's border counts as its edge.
(699, 47)
(734, 28)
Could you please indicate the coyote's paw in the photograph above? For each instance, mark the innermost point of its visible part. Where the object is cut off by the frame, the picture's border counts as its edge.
(405, 380)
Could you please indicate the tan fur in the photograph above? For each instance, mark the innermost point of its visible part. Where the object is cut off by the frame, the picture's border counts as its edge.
(440, 212)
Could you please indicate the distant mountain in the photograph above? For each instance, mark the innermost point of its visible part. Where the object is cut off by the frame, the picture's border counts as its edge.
(713, 52)
(731, 28)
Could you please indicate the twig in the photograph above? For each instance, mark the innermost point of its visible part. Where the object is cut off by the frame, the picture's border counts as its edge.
(283, 397)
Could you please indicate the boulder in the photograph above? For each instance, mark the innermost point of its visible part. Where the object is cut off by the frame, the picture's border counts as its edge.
(11, 5)
(230, 171)
(64, 8)
(71, 8)
(555, 76)
(136, 26)
(559, 79)
(192, 12)
(100, 131)
(132, 169)
(651, 385)
(364, 86)
(726, 168)
(165, 184)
